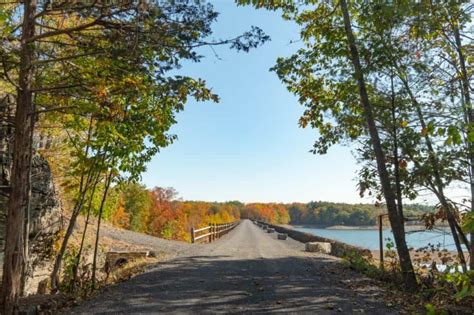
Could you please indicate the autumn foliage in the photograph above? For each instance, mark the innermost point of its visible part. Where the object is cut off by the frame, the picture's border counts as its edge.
(268, 212)
(161, 213)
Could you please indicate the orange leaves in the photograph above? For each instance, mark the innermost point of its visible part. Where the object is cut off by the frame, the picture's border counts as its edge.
(162, 211)
(269, 212)
(102, 93)
(173, 219)
(403, 164)
(120, 218)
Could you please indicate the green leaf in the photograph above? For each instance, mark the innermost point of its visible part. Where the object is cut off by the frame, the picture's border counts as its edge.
(430, 309)
(470, 136)
(465, 292)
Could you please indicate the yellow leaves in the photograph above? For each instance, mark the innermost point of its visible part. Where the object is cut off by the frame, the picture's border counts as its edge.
(303, 122)
(131, 81)
(6, 87)
(182, 92)
(424, 132)
(404, 123)
(71, 20)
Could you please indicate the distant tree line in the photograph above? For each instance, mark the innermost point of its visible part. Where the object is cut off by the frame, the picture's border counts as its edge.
(161, 213)
(328, 213)
(323, 213)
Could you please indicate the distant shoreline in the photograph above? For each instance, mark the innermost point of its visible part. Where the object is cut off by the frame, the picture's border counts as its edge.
(350, 227)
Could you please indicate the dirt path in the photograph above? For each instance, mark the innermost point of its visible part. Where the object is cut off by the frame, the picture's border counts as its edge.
(247, 271)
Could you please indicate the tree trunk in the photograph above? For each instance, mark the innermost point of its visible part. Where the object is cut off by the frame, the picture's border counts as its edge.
(83, 188)
(102, 203)
(470, 116)
(396, 220)
(70, 229)
(438, 185)
(20, 189)
(440, 189)
(86, 224)
(26, 229)
(396, 158)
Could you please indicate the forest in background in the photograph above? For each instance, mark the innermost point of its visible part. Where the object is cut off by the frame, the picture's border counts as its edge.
(160, 212)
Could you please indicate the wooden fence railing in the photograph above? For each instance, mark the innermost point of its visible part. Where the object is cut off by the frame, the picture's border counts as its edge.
(212, 232)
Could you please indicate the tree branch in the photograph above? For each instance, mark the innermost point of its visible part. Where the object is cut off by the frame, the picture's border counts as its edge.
(69, 57)
(58, 87)
(65, 31)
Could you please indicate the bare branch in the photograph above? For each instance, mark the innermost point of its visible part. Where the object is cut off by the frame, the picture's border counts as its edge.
(70, 57)
(58, 87)
(64, 31)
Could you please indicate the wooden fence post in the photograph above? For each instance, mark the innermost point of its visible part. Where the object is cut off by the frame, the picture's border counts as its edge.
(192, 235)
(381, 241)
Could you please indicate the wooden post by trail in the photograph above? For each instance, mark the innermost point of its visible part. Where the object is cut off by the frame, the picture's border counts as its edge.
(192, 235)
(381, 241)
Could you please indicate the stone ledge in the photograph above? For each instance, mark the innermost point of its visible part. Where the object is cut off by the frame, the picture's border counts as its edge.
(338, 249)
(319, 247)
(282, 236)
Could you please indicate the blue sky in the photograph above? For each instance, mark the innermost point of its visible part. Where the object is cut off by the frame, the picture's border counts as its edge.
(249, 147)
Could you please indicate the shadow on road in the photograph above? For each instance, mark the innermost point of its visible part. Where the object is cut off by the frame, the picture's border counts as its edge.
(220, 284)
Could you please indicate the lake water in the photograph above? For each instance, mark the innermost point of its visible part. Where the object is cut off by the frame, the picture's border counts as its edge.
(370, 238)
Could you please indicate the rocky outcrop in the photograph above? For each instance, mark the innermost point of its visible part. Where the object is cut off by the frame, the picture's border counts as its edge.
(45, 223)
(6, 131)
(45, 205)
(45, 215)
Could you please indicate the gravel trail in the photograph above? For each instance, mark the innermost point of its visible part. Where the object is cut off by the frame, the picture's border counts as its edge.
(246, 271)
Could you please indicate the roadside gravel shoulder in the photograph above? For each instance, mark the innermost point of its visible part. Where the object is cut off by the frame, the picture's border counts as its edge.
(167, 247)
